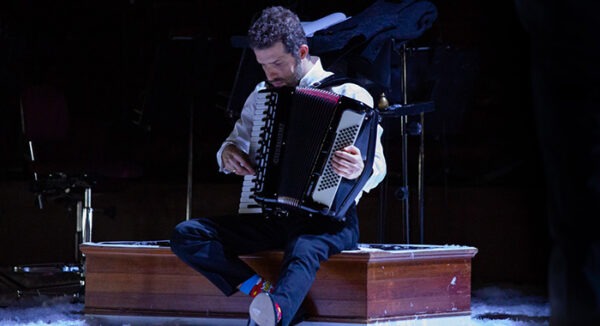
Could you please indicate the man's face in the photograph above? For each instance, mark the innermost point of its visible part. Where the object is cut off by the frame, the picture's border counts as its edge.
(280, 67)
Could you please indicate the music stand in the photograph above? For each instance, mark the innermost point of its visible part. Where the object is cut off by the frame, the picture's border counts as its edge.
(403, 111)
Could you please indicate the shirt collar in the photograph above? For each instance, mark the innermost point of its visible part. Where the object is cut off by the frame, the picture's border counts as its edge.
(315, 74)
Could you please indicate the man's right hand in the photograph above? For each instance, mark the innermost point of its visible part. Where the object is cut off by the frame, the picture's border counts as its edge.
(236, 161)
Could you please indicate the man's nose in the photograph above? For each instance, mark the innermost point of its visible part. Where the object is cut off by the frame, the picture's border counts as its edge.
(270, 73)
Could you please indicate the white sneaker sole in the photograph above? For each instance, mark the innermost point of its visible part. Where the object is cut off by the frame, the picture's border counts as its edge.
(262, 310)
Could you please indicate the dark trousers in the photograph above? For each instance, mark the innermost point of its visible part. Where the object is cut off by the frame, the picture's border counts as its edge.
(212, 245)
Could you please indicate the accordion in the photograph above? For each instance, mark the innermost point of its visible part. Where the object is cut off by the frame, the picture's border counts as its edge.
(297, 130)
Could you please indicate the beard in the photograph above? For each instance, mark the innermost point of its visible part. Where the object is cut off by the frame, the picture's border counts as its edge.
(298, 73)
(292, 81)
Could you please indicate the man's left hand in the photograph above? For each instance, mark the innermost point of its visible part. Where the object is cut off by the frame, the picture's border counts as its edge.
(348, 162)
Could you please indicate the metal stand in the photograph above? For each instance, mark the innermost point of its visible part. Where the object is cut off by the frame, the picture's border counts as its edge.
(403, 111)
(84, 218)
(405, 197)
(190, 165)
(56, 278)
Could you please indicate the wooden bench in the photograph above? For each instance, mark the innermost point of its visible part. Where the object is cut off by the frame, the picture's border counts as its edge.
(376, 283)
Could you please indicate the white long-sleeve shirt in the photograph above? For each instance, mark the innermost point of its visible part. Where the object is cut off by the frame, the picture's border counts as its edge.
(240, 135)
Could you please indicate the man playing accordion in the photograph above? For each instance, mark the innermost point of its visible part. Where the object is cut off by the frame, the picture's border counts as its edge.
(211, 245)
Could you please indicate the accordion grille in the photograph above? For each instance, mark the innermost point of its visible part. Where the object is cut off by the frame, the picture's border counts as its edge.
(346, 136)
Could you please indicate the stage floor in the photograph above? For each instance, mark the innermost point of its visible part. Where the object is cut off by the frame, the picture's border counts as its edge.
(493, 305)
(107, 320)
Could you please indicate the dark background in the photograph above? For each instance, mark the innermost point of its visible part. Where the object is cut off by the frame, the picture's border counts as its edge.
(132, 72)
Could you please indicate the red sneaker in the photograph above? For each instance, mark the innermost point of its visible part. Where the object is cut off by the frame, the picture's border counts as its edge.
(260, 287)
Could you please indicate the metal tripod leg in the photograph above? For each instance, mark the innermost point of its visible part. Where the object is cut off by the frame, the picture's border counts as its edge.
(84, 221)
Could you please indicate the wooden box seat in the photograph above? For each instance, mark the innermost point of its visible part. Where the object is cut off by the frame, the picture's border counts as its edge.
(372, 284)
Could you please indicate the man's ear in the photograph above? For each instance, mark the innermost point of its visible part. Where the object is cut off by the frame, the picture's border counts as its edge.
(303, 51)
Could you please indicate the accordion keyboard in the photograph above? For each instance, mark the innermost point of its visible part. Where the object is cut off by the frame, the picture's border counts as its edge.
(247, 203)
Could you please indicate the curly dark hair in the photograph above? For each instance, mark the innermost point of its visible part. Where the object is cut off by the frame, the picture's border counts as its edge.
(277, 24)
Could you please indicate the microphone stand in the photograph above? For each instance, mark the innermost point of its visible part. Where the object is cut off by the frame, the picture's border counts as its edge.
(190, 165)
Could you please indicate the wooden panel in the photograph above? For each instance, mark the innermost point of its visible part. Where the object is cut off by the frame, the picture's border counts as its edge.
(385, 285)
(151, 281)
(426, 287)
(354, 286)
